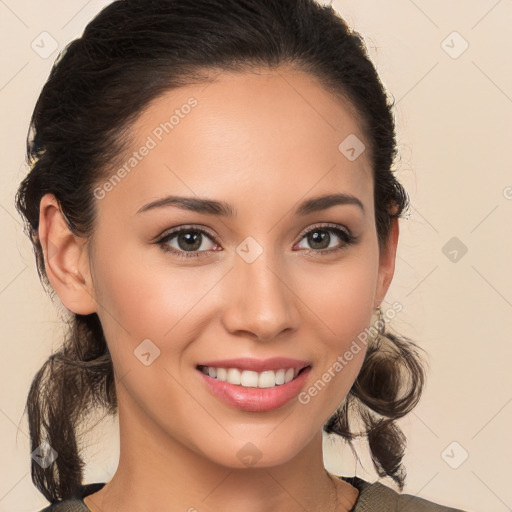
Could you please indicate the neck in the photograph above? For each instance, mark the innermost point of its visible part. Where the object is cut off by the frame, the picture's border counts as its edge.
(156, 469)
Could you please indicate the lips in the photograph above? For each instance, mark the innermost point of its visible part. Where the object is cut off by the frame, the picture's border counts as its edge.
(254, 384)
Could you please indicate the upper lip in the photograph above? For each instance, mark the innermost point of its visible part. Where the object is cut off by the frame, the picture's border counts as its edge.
(258, 365)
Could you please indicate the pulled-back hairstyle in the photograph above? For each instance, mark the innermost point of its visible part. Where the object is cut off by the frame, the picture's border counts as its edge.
(129, 54)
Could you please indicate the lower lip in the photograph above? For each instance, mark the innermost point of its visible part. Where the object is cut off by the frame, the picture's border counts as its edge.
(255, 399)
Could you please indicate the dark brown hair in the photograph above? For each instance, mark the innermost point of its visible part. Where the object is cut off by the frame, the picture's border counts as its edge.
(129, 54)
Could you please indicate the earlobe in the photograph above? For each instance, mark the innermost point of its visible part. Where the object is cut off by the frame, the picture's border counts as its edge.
(65, 258)
(387, 262)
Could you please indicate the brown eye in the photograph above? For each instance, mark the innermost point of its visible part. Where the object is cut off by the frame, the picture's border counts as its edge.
(320, 237)
(186, 240)
(189, 241)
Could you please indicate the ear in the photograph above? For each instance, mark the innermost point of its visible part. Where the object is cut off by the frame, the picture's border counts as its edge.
(387, 262)
(65, 258)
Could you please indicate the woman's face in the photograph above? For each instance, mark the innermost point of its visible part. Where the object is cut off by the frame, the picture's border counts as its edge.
(263, 276)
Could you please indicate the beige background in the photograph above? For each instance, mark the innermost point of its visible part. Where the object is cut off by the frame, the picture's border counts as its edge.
(455, 136)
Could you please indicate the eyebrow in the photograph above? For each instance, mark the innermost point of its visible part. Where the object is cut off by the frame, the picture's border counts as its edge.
(212, 207)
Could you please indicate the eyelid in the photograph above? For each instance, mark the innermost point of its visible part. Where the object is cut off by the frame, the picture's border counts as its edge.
(325, 225)
(184, 227)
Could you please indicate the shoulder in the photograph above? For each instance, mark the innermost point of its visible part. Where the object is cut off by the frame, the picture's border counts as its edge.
(69, 505)
(407, 502)
(379, 497)
(75, 503)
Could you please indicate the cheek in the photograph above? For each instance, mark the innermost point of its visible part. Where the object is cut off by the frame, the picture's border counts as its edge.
(343, 297)
(144, 298)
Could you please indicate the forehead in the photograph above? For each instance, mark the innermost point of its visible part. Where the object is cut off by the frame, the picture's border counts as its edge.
(245, 134)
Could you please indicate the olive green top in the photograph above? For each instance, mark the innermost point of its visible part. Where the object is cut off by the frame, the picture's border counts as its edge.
(373, 497)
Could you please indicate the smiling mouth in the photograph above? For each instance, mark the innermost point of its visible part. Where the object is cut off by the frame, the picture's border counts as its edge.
(252, 379)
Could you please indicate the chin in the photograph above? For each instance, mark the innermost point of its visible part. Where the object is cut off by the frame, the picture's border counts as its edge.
(258, 451)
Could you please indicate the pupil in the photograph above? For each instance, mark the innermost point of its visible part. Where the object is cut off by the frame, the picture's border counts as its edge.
(317, 237)
(188, 239)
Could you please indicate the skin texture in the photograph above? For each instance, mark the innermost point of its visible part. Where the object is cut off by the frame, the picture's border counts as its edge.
(262, 142)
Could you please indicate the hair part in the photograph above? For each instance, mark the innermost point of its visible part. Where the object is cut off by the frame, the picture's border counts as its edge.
(132, 52)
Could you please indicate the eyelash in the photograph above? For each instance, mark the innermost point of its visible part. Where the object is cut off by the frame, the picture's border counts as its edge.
(347, 237)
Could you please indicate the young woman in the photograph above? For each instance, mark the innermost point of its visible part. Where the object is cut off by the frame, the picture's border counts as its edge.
(211, 197)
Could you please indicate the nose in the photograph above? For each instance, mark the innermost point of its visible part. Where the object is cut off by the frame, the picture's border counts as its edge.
(261, 300)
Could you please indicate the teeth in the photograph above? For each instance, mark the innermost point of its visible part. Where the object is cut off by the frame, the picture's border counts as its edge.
(233, 376)
(251, 379)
